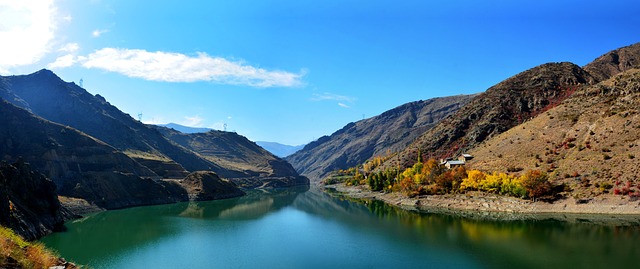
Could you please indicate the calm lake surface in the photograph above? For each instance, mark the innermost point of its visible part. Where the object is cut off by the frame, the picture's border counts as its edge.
(297, 228)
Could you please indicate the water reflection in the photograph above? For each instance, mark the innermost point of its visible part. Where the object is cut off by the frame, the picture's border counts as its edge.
(548, 242)
(254, 205)
(118, 231)
(301, 226)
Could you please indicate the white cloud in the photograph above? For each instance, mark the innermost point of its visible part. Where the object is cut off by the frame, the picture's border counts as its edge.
(26, 29)
(70, 47)
(63, 61)
(331, 97)
(193, 121)
(99, 32)
(341, 99)
(177, 67)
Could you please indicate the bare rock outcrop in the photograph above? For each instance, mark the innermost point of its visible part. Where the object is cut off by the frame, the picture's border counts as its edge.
(28, 201)
(203, 186)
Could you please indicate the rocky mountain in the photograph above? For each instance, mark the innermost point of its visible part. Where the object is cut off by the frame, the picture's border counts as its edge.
(46, 95)
(80, 165)
(496, 110)
(234, 152)
(381, 135)
(28, 201)
(614, 62)
(278, 149)
(512, 102)
(590, 142)
(66, 103)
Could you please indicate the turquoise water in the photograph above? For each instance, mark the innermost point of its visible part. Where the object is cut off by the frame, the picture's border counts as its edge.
(296, 228)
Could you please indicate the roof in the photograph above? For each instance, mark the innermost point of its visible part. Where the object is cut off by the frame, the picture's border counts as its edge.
(455, 162)
(467, 155)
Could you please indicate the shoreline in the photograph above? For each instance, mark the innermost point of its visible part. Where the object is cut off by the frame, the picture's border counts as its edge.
(604, 209)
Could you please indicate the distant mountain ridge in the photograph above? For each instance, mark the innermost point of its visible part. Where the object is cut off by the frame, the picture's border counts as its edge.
(234, 152)
(185, 129)
(381, 135)
(280, 150)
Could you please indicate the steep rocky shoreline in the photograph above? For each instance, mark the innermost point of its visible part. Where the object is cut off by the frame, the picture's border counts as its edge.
(28, 201)
(607, 209)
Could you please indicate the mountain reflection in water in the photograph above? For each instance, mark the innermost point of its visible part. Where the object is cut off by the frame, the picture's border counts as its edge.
(295, 228)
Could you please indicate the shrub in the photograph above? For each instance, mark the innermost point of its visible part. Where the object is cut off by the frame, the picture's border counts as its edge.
(536, 183)
(605, 186)
(511, 186)
(408, 187)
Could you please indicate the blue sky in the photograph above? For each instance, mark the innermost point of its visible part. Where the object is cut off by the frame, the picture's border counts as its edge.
(290, 71)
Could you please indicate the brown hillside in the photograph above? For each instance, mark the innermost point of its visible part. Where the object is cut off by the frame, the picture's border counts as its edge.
(589, 142)
(614, 62)
(501, 107)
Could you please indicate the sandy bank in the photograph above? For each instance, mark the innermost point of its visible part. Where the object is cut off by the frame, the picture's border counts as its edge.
(602, 209)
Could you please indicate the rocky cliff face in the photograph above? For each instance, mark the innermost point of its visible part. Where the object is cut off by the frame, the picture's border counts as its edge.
(381, 135)
(28, 201)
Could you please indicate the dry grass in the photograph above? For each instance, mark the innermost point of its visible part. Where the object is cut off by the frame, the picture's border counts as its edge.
(589, 141)
(18, 253)
(146, 155)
